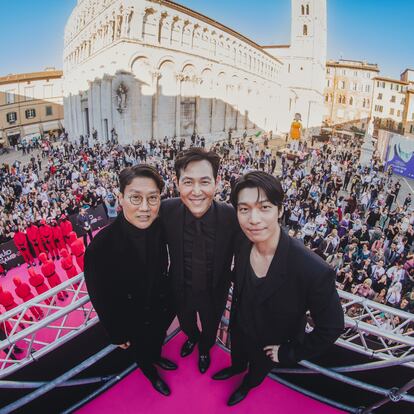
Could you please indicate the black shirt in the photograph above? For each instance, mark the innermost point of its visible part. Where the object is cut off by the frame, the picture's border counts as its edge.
(248, 301)
(208, 227)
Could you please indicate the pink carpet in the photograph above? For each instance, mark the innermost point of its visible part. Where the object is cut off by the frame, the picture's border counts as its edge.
(193, 392)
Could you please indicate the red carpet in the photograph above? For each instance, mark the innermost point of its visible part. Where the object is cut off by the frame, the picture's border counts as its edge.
(196, 393)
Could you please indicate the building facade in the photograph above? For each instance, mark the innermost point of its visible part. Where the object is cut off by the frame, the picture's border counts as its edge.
(348, 93)
(153, 68)
(31, 104)
(355, 92)
(389, 101)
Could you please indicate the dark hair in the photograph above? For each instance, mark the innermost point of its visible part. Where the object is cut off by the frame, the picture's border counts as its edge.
(259, 179)
(196, 154)
(143, 170)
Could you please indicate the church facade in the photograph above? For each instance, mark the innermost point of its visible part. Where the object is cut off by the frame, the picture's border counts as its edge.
(153, 68)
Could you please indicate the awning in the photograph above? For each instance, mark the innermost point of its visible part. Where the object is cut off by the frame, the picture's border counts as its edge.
(52, 125)
(31, 129)
(13, 132)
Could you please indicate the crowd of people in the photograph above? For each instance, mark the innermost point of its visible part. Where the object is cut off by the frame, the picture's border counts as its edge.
(348, 214)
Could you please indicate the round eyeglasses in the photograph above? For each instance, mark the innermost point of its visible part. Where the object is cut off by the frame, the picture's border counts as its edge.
(137, 199)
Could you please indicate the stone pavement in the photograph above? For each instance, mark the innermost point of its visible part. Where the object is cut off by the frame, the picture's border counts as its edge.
(13, 155)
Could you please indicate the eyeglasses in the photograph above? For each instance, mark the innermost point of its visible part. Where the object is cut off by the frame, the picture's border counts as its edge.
(137, 200)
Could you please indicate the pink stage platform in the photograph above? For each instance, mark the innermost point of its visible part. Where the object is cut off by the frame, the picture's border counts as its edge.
(193, 392)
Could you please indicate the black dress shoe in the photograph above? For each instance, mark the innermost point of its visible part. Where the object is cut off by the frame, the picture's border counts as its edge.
(238, 395)
(187, 348)
(160, 386)
(226, 373)
(203, 363)
(166, 364)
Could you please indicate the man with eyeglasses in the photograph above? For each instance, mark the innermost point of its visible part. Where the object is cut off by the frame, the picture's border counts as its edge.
(126, 274)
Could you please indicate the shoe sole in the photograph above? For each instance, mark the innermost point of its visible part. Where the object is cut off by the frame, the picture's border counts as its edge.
(222, 379)
(237, 402)
(186, 355)
(166, 369)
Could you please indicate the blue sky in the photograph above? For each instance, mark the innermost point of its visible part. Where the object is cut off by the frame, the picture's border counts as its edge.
(378, 31)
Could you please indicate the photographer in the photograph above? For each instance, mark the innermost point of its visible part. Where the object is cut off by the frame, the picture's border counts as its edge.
(82, 220)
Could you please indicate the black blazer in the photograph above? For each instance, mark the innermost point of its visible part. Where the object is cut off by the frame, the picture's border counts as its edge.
(112, 274)
(299, 281)
(172, 216)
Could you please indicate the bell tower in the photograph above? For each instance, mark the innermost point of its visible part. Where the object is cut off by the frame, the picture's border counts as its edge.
(305, 58)
(309, 29)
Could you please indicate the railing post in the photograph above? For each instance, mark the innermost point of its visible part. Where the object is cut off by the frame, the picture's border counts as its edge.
(394, 395)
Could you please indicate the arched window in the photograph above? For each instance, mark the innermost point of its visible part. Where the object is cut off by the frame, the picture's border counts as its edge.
(303, 9)
(305, 30)
(351, 100)
(307, 9)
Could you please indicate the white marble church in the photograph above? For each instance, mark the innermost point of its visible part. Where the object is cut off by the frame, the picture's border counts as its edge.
(153, 68)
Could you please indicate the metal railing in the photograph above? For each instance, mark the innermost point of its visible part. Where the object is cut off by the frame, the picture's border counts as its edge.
(377, 330)
(28, 340)
(372, 329)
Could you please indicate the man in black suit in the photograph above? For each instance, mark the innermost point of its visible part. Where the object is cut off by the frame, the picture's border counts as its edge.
(277, 280)
(84, 224)
(326, 248)
(126, 274)
(200, 235)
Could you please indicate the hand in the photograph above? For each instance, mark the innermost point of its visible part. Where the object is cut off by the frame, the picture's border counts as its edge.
(272, 352)
(126, 345)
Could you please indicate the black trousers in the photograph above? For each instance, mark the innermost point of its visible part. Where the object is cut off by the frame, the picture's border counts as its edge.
(146, 347)
(248, 353)
(210, 307)
(148, 337)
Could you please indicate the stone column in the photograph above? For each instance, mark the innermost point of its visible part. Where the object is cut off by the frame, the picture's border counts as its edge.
(225, 116)
(68, 115)
(237, 106)
(80, 127)
(197, 82)
(76, 115)
(90, 109)
(74, 129)
(179, 77)
(97, 110)
(155, 78)
(124, 27)
(107, 104)
(137, 24)
(212, 108)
